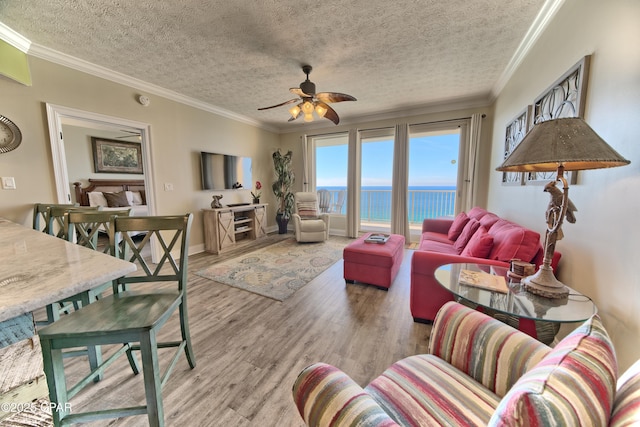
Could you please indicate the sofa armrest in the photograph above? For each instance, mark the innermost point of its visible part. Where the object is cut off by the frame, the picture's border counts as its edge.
(493, 353)
(326, 396)
(437, 225)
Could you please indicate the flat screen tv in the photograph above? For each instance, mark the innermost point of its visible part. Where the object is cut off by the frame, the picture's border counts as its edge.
(224, 171)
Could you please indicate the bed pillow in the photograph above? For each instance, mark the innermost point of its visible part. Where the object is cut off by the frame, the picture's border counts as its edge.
(96, 198)
(458, 224)
(468, 231)
(116, 200)
(134, 198)
(479, 245)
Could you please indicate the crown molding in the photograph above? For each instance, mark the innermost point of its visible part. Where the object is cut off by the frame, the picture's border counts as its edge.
(69, 61)
(14, 39)
(546, 14)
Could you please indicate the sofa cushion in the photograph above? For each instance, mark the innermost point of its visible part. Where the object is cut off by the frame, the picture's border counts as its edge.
(424, 390)
(458, 225)
(563, 387)
(468, 231)
(477, 212)
(436, 237)
(626, 406)
(440, 247)
(488, 220)
(479, 245)
(512, 241)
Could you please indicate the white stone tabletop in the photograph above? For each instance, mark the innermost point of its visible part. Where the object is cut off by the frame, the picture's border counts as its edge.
(37, 269)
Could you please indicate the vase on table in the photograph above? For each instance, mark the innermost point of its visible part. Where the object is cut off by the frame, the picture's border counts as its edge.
(256, 201)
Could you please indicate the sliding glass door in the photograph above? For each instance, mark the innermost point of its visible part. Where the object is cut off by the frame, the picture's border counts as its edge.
(331, 159)
(433, 173)
(376, 171)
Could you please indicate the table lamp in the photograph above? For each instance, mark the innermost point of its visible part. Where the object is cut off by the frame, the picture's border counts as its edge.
(560, 145)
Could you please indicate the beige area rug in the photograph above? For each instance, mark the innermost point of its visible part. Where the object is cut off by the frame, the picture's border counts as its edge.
(278, 270)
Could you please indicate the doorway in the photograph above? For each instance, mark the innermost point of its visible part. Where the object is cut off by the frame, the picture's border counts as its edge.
(61, 118)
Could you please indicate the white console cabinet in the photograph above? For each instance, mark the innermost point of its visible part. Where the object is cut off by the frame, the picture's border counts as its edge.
(224, 227)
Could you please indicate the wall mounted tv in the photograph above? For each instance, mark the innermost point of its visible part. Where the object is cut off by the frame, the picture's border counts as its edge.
(225, 172)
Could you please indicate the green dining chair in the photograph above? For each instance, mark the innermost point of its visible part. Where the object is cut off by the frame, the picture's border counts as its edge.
(54, 216)
(84, 227)
(41, 215)
(45, 222)
(58, 215)
(130, 318)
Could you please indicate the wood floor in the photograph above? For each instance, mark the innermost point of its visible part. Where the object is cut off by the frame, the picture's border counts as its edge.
(249, 349)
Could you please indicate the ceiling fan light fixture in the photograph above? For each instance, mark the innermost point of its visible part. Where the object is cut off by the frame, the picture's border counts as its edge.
(312, 101)
(294, 111)
(320, 110)
(307, 107)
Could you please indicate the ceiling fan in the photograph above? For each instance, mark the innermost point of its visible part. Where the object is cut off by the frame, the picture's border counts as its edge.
(312, 101)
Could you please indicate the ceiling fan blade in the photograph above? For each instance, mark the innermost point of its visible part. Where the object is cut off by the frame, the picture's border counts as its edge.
(334, 97)
(330, 114)
(299, 92)
(291, 101)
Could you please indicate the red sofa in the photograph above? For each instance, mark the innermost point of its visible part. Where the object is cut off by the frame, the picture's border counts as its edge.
(477, 236)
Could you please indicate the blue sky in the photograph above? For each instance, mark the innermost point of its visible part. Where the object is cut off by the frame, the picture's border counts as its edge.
(433, 161)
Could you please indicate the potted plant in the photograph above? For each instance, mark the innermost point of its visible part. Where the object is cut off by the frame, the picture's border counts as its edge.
(282, 188)
(257, 194)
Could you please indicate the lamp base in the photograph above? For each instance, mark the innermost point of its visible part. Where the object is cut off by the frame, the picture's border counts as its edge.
(545, 284)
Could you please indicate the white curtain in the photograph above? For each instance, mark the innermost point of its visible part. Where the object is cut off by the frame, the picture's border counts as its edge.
(400, 182)
(305, 163)
(471, 175)
(353, 184)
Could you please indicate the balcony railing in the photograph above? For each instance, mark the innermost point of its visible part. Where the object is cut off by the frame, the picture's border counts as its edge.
(375, 205)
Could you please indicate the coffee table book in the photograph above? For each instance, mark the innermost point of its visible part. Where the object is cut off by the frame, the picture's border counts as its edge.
(377, 238)
(480, 279)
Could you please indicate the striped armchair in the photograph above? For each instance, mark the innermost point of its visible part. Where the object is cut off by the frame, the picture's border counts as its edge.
(479, 371)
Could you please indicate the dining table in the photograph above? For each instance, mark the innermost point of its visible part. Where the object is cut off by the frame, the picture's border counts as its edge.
(36, 270)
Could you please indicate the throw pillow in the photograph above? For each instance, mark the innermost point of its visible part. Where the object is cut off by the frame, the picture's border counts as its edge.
(457, 226)
(307, 210)
(626, 406)
(116, 200)
(574, 385)
(134, 198)
(479, 245)
(468, 231)
(96, 198)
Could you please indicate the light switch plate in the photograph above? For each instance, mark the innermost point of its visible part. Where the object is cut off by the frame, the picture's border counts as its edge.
(8, 183)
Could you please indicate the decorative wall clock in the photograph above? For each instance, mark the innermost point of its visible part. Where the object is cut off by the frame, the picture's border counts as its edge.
(10, 135)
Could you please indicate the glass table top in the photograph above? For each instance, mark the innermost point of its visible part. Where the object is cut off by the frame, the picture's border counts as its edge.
(518, 302)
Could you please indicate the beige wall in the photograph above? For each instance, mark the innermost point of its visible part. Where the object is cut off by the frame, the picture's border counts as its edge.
(599, 251)
(178, 134)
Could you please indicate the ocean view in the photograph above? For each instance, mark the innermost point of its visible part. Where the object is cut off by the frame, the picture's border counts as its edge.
(422, 202)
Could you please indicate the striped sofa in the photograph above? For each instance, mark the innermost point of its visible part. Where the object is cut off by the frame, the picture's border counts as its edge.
(480, 371)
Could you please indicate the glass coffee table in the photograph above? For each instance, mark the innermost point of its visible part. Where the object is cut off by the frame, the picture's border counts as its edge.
(527, 308)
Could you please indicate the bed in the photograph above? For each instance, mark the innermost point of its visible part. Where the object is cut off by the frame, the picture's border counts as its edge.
(119, 193)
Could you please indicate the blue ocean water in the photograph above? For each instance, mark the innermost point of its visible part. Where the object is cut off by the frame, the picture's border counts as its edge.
(422, 202)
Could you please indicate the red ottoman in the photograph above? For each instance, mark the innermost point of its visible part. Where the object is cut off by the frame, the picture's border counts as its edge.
(373, 263)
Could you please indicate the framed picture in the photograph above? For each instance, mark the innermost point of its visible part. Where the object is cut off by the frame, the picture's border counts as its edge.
(516, 130)
(112, 156)
(565, 98)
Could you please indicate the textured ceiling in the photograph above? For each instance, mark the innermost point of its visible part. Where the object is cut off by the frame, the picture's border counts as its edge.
(393, 56)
